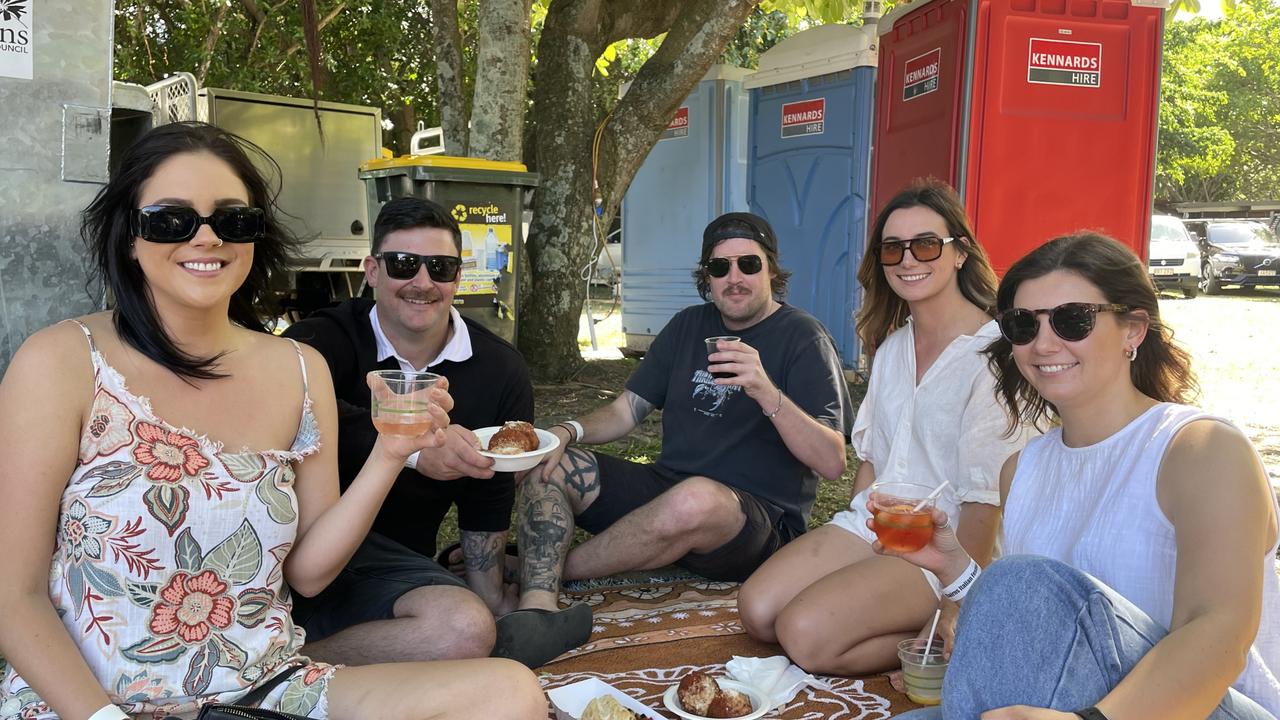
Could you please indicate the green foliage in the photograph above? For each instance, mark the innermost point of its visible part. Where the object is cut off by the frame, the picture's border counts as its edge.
(375, 52)
(1220, 107)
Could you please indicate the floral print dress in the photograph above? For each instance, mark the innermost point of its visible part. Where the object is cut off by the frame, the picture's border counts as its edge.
(168, 565)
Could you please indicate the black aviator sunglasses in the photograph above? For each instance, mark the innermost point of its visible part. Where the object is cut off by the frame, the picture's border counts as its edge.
(1070, 321)
(404, 265)
(180, 223)
(718, 267)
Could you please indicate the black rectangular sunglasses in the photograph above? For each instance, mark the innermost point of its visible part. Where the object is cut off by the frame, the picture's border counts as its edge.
(718, 267)
(1070, 321)
(179, 223)
(404, 265)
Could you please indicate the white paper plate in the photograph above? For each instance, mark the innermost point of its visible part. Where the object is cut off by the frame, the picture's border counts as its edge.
(547, 441)
(672, 700)
(571, 700)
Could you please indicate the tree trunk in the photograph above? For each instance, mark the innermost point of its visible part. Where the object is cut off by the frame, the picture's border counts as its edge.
(560, 242)
(502, 80)
(455, 114)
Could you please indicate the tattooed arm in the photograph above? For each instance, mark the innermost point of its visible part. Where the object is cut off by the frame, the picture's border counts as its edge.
(604, 425)
(484, 556)
(615, 419)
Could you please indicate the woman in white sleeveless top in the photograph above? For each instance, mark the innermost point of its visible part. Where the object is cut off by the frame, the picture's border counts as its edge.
(1140, 577)
(168, 466)
(930, 416)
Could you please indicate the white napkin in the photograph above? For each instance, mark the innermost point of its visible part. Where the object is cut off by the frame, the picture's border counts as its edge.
(775, 677)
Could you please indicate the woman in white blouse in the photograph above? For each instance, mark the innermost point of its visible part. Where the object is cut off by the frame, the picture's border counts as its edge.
(930, 416)
(1139, 580)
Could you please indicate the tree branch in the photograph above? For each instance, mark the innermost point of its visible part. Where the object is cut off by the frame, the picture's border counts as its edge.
(695, 40)
(211, 42)
(455, 115)
(319, 26)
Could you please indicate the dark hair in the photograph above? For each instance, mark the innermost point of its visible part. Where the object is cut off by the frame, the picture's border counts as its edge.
(778, 281)
(882, 310)
(404, 213)
(106, 232)
(1161, 371)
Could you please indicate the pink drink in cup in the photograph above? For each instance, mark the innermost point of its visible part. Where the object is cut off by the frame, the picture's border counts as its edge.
(399, 402)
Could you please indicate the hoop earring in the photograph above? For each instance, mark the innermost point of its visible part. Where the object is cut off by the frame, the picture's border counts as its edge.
(1132, 353)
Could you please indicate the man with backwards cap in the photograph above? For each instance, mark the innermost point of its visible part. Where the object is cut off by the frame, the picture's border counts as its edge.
(741, 452)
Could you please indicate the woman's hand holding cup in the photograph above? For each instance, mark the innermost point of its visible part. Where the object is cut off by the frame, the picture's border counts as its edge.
(943, 555)
(410, 411)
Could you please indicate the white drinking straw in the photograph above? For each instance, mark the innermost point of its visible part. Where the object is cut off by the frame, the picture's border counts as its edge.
(928, 645)
(937, 491)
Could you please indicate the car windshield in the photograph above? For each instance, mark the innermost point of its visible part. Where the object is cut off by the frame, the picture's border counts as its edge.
(1168, 229)
(1241, 234)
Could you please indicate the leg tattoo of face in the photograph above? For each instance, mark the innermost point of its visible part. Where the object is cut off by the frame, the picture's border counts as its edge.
(545, 526)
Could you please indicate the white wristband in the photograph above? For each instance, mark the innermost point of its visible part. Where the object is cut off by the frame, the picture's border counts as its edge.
(109, 712)
(411, 462)
(960, 586)
(577, 429)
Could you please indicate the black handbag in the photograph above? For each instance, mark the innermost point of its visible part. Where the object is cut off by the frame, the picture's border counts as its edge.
(217, 711)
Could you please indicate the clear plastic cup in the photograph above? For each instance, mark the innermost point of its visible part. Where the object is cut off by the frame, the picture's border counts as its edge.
(712, 346)
(897, 523)
(922, 672)
(399, 401)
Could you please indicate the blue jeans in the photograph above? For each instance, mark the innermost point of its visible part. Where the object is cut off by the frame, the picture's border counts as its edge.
(1038, 632)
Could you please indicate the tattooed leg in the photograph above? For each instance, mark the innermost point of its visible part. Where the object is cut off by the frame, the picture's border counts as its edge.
(544, 524)
(483, 555)
(697, 515)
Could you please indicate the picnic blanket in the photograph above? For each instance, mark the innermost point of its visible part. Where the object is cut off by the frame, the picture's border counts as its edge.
(652, 629)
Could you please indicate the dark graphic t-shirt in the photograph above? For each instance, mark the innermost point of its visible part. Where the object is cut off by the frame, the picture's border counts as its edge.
(716, 430)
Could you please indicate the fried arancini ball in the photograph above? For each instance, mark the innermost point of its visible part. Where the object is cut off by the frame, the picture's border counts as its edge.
(729, 704)
(696, 692)
(515, 437)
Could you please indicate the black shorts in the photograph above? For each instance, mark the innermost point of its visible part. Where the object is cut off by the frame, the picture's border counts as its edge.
(625, 486)
(367, 588)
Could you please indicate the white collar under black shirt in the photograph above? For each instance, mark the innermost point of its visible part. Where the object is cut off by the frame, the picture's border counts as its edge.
(457, 349)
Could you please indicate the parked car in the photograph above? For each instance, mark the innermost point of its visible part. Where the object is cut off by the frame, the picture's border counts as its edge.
(1173, 256)
(1235, 252)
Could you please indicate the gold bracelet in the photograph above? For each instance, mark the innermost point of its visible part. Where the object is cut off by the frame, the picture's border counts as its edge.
(776, 410)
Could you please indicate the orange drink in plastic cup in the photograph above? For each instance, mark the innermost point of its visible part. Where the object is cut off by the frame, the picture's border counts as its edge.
(896, 522)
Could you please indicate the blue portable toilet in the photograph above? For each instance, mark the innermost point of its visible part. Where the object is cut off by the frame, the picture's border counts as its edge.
(695, 172)
(808, 173)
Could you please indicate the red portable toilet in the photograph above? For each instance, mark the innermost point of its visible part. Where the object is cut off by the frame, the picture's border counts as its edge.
(1041, 113)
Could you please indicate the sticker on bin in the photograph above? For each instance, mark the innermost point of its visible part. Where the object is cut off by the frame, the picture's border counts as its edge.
(678, 127)
(805, 117)
(1064, 62)
(920, 76)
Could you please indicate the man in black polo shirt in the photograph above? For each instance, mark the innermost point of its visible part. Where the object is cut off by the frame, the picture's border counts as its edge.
(393, 602)
(746, 431)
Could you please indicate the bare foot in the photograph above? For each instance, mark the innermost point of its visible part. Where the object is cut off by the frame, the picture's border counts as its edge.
(895, 679)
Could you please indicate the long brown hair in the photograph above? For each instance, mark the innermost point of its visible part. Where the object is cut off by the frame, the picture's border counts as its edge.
(882, 310)
(1161, 371)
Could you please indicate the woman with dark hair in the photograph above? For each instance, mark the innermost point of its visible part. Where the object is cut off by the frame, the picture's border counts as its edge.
(147, 562)
(1140, 577)
(930, 417)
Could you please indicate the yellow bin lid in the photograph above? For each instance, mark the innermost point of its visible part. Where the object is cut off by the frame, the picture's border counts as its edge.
(442, 161)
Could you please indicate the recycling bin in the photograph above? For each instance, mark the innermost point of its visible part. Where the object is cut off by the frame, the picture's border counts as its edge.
(486, 197)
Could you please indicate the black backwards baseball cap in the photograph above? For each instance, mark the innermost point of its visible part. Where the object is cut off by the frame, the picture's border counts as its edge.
(738, 225)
